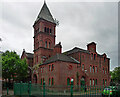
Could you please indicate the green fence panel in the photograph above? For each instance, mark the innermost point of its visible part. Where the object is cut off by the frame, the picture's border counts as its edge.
(17, 89)
(25, 89)
(38, 89)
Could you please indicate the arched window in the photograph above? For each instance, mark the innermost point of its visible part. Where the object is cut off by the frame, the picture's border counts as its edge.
(93, 69)
(50, 31)
(96, 82)
(52, 81)
(52, 67)
(49, 67)
(90, 68)
(35, 78)
(68, 81)
(90, 82)
(45, 29)
(82, 67)
(96, 69)
(41, 81)
(91, 56)
(49, 81)
(103, 70)
(45, 44)
(94, 56)
(103, 81)
(49, 45)
(93, 82)
(104, 59)
(41, 69)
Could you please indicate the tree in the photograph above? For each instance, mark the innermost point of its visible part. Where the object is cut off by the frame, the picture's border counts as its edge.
(115, 75)
(13, 67)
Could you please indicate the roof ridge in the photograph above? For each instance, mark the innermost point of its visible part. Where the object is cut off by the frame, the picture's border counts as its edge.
(60, 57)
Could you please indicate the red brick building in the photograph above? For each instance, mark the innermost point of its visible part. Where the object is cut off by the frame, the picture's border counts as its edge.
(86, 67)
(29, 60)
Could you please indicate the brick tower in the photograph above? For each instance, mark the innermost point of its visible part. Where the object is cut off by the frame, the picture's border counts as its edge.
(44, 35)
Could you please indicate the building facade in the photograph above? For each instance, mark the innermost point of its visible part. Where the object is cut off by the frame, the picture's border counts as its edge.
(85, 67)
(29, 61)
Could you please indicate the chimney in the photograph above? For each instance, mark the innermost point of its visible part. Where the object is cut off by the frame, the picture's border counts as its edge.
(58, 48)
(91, 47)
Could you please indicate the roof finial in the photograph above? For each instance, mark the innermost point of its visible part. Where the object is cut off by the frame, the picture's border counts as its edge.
(44, 2)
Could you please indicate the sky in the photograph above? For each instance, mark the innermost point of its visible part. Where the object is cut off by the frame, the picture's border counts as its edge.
(79, 24)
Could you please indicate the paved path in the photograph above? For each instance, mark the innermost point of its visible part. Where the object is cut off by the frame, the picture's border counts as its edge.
(4, 92)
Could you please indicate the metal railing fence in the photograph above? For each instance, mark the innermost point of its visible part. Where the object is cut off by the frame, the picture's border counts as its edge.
(71, 90)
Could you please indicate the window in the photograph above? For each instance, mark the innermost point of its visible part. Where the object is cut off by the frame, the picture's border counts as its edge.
(90, 82)
(45, 29)
(45, 44)
(68, 81)
(94, 56)
(49, 81)
(104, 59)
(41, 81)
(41, 69)
(103, 70)
(52, 81)
(82, 67)
(50, 31)
(49, 67)
(49, 45)
(93, 69)
(96, 82)
(90, 68)
(96, 69)
(52, 67)
(93, 82)
(91, 56)
(105, 82)
(82, 56)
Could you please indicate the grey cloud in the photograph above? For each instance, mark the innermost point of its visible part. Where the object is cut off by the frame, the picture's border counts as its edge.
(80, 23)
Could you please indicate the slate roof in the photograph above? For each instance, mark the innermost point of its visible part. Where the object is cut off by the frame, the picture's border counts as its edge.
(76, 49)
(45, 14)
(61, 57)
(29, 55)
